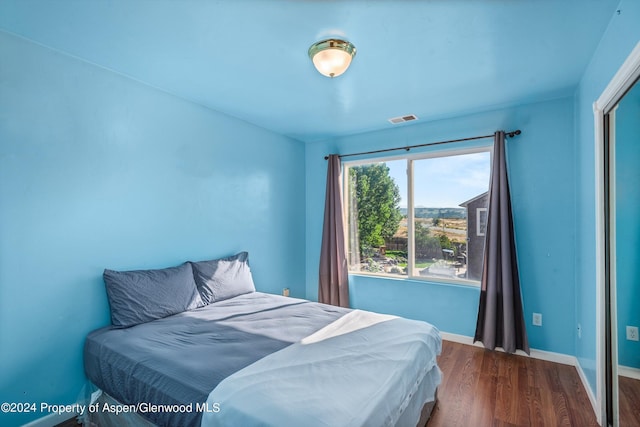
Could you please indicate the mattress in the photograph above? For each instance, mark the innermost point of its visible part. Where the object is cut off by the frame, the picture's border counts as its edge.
(179, 359)
(182, 359)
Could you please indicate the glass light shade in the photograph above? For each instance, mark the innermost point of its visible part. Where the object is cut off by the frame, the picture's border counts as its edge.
(332, 57)
(332, 62)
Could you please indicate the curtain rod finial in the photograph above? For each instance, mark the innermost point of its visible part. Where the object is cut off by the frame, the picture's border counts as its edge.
(514, 133)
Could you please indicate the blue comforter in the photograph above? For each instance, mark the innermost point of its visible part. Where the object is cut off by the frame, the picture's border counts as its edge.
(179, 359)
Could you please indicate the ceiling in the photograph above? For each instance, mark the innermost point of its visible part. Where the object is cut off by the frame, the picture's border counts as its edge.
(248, 58)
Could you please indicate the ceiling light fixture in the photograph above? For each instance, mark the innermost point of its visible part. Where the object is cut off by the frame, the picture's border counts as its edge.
(332, 57)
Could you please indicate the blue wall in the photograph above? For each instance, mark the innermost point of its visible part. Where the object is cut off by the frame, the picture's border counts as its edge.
(618, 41)
(627, 157)
(542, 184)
(97, 171)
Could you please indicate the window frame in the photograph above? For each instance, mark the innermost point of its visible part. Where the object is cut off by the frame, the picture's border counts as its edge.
(410, 159)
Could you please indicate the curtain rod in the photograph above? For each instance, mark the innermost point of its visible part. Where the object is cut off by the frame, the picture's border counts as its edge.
(409, 147)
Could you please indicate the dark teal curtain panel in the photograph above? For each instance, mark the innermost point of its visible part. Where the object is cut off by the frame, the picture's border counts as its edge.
(500, 314)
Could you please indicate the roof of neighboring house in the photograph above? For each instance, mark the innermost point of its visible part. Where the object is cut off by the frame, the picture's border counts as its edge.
(479, 196)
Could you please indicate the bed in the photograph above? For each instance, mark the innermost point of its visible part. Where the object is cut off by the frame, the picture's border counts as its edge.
(257, 359)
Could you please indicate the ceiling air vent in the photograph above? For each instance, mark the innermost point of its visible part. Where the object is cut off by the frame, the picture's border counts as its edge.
(403, 119)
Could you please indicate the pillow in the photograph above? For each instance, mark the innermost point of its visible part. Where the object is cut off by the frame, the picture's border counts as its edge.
(223, 278)
(143, 295)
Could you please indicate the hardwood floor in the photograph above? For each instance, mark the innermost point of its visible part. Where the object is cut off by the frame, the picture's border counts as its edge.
(485, 388)
(629, 398)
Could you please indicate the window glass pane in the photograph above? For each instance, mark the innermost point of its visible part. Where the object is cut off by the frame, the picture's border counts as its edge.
(450, 201)
(376, 218)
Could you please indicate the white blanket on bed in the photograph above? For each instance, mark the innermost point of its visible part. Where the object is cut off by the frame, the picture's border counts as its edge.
(361, 370)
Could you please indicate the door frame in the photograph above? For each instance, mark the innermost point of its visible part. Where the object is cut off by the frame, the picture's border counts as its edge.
(623, 80)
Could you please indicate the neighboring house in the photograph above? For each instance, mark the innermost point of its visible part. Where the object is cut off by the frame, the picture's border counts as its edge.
(476, 229)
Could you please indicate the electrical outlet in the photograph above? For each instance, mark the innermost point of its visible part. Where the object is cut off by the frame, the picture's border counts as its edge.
(285, 292)
(537, 319)
(632, 333)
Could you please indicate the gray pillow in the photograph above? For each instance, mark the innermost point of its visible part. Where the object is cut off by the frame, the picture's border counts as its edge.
(223, 278)
(143, 295)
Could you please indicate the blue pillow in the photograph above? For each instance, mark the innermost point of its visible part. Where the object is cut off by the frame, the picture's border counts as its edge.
(223, 278)
(143, 295)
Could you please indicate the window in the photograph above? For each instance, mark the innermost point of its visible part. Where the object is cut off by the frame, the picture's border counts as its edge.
(481, 221)
(421, 216)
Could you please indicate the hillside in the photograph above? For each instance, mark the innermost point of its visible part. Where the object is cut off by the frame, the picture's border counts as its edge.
(453, 213)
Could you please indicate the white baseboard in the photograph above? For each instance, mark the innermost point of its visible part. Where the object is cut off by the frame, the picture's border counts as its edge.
(629, 372)
(564, 359)
(549, 356)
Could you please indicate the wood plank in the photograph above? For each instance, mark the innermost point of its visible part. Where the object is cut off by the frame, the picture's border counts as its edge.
(629, 402)
(506, 398)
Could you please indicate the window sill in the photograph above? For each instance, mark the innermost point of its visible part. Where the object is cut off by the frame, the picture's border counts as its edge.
(429, 280)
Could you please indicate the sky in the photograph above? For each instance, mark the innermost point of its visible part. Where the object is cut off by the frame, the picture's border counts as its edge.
(444, 182)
